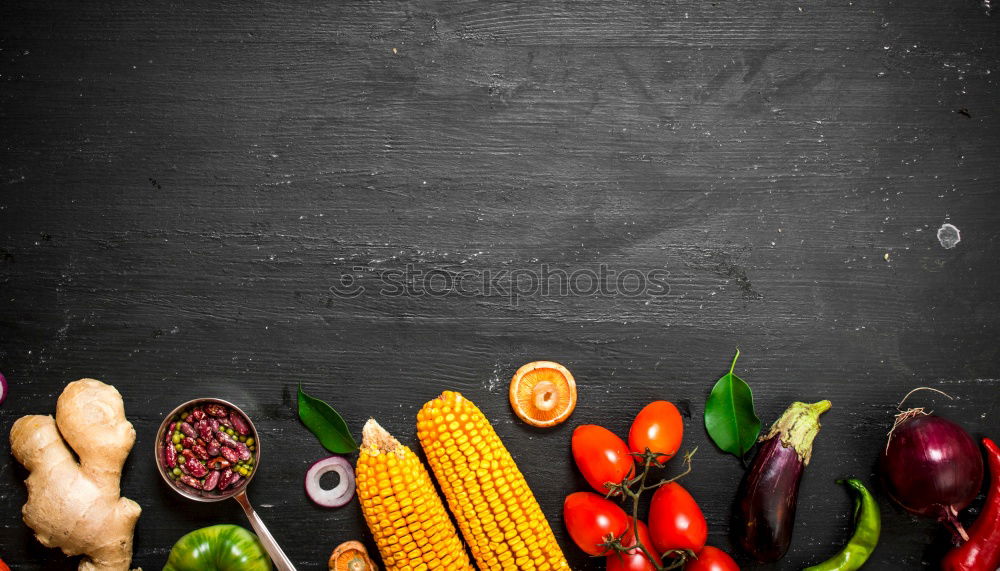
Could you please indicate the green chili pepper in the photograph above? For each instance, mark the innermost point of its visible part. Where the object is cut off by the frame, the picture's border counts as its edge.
(868, 525)
(218, 548)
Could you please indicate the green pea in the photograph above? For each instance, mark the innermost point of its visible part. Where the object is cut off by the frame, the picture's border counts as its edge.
(176, 472)
(230, 432)
(176, 437)
(178, 447)
(243, 438)
(250, 442)
(249, 461)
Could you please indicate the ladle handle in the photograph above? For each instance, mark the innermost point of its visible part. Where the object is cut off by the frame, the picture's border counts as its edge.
(278, 557)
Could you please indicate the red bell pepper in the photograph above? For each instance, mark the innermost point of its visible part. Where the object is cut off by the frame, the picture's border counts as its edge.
(982, 551)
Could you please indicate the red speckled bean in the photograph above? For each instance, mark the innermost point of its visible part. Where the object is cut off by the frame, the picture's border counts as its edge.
(197, 414)
(171, 455)
(211, 480)
(196, 468)
(230, 455)
(243, 451)
(169, 434)
(181, 465)
(204, 430)
(200, 452)
(188, 442)
(225, 479)
(225, 439)
(213, 448)
(189, 481)
(188, 430)
(216, 410)
(239, 424)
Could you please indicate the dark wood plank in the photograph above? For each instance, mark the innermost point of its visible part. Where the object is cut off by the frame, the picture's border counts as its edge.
(182, 185)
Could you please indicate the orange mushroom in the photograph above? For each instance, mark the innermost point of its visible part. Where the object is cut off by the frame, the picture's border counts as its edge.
(543, 393)
(351, 556)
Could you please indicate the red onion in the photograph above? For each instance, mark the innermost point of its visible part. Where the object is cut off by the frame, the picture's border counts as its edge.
(338, 495)
(931, 467)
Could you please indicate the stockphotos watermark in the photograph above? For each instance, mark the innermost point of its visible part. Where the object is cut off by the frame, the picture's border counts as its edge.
(513, 284)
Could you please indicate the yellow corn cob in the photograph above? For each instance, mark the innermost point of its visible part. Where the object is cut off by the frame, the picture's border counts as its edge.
(403, 512)
(496, 511)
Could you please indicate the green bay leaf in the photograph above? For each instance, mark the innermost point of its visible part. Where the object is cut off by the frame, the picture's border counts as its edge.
(730, 418)
(326, 423)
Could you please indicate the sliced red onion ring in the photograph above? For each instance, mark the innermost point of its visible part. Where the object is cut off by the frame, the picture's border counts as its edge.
(3, 388)
(338, 495)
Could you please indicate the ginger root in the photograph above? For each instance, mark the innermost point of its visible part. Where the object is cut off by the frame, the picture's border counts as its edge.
(77, 506)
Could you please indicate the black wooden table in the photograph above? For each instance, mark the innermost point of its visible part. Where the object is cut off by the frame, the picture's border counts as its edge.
(210, 199)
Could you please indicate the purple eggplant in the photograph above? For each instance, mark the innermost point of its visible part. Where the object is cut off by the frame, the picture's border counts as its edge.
(766, 501)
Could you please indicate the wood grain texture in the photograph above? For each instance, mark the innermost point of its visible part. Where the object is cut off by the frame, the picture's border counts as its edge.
(182, 183)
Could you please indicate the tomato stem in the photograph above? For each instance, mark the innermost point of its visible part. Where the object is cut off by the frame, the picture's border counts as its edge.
(633, 488)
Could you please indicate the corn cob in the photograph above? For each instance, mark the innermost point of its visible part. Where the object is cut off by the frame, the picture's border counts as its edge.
(403, 512)
(496, 511)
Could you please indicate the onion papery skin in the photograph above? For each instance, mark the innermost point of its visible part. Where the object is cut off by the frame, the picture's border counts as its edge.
(931, 467)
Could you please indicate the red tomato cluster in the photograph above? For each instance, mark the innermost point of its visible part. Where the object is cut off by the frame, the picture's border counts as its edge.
(675, 520)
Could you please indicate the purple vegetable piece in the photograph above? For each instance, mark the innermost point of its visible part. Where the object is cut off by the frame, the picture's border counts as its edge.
(211, 481)
(196, 468)
(766, 500)
(239, 424)
(213, 447)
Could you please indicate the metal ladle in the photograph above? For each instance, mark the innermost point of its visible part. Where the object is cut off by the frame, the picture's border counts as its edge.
(237, 492)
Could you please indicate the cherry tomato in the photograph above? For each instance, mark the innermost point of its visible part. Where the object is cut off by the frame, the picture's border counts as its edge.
(591, 518)
(634, 560)
(659, 428)
(601, 456)
(3, 566)
(675, 520)
(712, 559)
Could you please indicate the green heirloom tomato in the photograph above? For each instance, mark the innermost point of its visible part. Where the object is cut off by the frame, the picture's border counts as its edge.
(218, 548)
